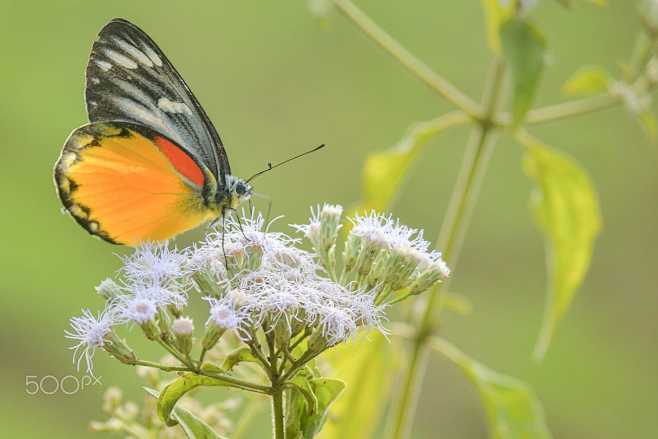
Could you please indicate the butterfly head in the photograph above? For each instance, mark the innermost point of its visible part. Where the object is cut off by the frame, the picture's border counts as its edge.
(238, 191)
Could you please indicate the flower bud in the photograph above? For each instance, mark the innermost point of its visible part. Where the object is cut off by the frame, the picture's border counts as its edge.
(282, 332)
(351, 252)
(108, 289)
(330, 217)
(150, 330)
(118, 348)
(433, 274)
(183, 327)
(164, 325)
(317, 342)
(211, 337)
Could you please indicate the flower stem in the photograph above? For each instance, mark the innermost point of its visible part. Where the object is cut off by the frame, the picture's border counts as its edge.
(277, 413)
(245, 385)
(569, 109)
(176, 354)
(419, 69)
(162, 367)
(450, 241)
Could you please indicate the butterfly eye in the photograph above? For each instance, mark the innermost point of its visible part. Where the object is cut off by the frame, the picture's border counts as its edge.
(240, 189)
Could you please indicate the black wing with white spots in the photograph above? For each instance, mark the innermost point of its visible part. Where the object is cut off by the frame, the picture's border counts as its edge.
(130, 79)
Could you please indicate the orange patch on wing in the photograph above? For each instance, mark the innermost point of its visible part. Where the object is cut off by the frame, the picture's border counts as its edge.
(127, 189)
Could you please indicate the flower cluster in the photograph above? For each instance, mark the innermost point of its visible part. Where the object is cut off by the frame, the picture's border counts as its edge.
(276, 298)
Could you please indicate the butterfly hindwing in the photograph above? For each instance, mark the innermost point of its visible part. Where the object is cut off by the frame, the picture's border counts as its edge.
(128, 184)
(130, 79)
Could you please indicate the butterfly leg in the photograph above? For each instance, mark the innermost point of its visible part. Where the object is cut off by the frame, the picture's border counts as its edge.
(237, 217)
(223, 235)
(268, 213)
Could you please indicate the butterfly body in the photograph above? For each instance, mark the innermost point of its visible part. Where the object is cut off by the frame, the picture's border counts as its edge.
(150, 164)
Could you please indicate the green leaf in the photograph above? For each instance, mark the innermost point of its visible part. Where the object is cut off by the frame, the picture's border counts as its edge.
(495, 15)
(524, 48)
(513, 411)
(367, 366)
(326, 390)
(237, 356)
(587, 81)
(301, 403)
(308, 402)
(566, 209)
(193, 427)
(384, 172)
(177, 389)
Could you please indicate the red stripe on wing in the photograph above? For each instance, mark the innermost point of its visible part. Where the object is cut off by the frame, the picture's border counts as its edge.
(181, 160)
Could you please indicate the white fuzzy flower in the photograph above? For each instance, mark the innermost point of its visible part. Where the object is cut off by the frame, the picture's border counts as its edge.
(155, 263)
(136, 309)
(223, 314)
(160, 296)
(89, 332)
(365, 312)
(337, 323)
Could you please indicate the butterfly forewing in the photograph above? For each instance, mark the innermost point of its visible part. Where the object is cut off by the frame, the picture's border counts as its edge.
(130, 79)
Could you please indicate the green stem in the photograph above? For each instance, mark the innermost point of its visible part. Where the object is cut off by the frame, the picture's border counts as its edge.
(569, 109)
(246, 385)
(162, 367)
(277, 413)
(419, 69)
(176, 354)
(450, 241)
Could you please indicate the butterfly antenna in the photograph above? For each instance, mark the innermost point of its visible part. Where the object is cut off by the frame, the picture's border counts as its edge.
(270, 166)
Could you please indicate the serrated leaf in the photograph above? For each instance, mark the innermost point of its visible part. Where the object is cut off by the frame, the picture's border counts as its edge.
(587, 81)
(177, 389)
(524, 49)
(385, 171)
(367, 366)
(193, 427)
(566, 209)
(496, 13)
(513, 411)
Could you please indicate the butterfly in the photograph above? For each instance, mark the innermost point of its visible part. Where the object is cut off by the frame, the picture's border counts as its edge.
(150, 164)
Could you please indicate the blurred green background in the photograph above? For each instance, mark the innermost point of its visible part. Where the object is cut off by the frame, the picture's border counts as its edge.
(274, 81)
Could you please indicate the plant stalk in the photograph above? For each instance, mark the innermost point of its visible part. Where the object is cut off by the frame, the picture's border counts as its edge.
(422, 71)
(278, 423)
(450, 240)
